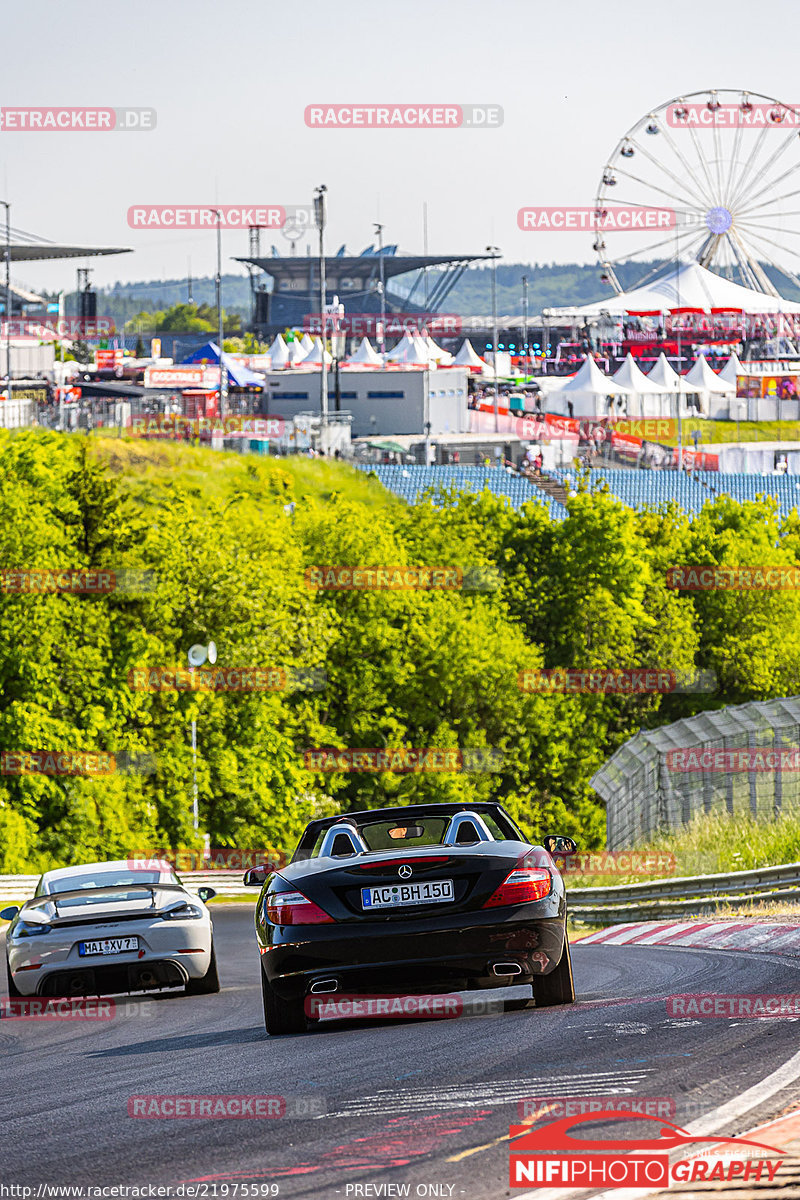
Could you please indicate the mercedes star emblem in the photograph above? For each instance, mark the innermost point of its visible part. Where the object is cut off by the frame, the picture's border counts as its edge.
(405, 872)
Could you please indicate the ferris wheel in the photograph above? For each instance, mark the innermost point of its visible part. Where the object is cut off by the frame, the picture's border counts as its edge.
(726, 165)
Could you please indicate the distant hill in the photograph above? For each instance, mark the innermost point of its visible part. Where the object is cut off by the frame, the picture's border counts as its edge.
(551, 285)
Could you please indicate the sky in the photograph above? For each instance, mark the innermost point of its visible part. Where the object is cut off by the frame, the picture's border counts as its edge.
(231, 82)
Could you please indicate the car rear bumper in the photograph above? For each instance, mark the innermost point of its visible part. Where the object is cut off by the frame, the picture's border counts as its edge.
(400, 960)
(51, 966)
(104, 979)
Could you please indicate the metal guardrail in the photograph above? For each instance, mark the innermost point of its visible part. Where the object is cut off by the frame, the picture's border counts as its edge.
(224, 883)
(685, 896)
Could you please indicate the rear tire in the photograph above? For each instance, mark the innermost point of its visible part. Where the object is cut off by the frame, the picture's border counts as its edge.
(208, 983)
(558, 987)
(281, 1016)
(13, 990)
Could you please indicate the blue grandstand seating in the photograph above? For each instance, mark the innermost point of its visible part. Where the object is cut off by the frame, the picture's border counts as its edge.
(692, 490)
(410, 482)
(637, 489)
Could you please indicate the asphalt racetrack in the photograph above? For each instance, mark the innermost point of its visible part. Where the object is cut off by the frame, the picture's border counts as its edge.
(372, 1102)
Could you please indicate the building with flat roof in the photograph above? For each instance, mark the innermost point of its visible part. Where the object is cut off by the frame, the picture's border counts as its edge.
(382, 403)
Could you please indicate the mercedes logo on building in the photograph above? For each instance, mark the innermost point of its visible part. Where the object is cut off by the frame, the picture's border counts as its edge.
(405, 872)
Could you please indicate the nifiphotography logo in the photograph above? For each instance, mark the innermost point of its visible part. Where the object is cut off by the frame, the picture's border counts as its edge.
(549, 1156)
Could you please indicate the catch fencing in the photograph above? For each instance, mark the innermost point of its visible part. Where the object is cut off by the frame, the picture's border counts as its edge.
(646, 794)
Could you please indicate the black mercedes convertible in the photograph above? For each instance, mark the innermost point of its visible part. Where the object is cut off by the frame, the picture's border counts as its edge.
(418, 900)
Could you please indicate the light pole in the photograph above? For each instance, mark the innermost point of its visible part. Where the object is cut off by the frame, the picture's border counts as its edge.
(319, 213)
(196, 657)
(382, 339)
(62, 380)
(680, 356)
(495, 253)
(7, 206)
(525, 318)
(223, 381)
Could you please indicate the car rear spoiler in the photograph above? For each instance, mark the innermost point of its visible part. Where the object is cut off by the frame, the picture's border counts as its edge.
(110, 889)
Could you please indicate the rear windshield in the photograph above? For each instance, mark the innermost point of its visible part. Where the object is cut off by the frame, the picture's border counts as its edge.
(390, 835)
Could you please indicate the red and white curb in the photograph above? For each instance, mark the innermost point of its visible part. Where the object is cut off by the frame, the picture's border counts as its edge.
(767, 937)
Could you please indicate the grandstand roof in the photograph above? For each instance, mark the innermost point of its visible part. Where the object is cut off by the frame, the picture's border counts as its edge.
(39, 251)
(298, 266)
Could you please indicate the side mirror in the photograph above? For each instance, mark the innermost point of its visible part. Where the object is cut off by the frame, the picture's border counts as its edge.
(255, 877)
(9, 913)
(555, 843)
(206, 893)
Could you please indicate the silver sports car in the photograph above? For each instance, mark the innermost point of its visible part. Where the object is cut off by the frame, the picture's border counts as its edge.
(108, 927)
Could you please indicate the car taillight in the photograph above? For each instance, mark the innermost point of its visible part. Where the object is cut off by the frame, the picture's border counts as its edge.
(293, 908)
(522, 886)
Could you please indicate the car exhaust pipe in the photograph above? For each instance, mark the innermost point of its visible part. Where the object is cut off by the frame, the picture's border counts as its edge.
(507, 969)
(324, 985)
(147, 979)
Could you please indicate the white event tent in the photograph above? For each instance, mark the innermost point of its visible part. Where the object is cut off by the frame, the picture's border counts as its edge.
(732, 368)
(314, 357)
(297, 353)
(365, 356)
(412, 352)
(587, 392)
(664, 373)
(715, 393)
(436, 354)
(687, 286)
(279, 353)
(648, 398)
(706, 380)
(467, 357)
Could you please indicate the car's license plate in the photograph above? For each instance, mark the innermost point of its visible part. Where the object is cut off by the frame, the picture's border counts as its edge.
(108, 946)
(396, 895)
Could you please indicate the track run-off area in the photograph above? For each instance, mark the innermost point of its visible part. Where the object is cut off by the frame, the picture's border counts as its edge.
(373, 1103)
